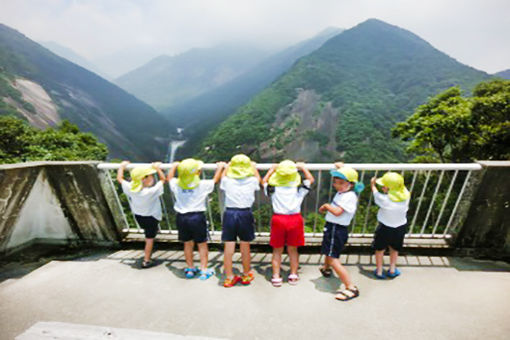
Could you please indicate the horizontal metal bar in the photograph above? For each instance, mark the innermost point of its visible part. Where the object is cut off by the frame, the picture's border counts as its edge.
(330, 166)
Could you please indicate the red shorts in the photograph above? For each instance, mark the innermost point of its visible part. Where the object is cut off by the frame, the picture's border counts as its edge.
(287, 230)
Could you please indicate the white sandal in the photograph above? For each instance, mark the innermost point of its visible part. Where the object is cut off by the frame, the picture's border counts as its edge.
(276, 281)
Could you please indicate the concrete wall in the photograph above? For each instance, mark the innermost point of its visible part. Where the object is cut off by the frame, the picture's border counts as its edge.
(58, 203)
(486, 226)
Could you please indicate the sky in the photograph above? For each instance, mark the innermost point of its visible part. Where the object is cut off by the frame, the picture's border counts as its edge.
(475, 32)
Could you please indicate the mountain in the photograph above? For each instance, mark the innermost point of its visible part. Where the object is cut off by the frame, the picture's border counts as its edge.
(72, 56)
(503, 74)
(206, 111)
(45, 88)
(341, 101)
(166, 81)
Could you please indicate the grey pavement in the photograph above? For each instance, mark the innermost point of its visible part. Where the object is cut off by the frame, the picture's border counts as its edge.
(435, 298)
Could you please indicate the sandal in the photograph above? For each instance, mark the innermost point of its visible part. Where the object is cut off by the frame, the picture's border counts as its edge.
(347, 294)
(394, 274)
(293, 279)
(231, 282)
(276, 281)
(205, 274)
(325, 272)
(247, 279)
(379, 277)
(147, 264)
(190, 272)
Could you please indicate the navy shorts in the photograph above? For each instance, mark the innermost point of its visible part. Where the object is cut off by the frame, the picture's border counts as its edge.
(238, 223)
(192, 227)
(387, 236)
(149, 224)
(334, 239)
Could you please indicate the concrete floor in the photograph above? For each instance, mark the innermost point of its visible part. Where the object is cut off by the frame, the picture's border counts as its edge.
(435, 298)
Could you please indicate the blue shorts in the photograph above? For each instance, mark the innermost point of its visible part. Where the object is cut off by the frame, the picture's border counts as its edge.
(334, 239)
(192, 227)
(238, 223)
(385, 236)
(149, 224)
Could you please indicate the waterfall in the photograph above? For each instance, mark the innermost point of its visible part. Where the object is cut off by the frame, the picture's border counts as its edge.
(173, 146)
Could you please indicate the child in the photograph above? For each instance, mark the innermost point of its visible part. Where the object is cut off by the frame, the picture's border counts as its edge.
(190, 195)
(143, 198)
(339, 214)
(239, 181)
(392, 227)
(282, 183)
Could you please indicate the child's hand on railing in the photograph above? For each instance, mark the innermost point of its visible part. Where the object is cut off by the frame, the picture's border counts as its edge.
(300, 165)
(338, 165)
(156, 165)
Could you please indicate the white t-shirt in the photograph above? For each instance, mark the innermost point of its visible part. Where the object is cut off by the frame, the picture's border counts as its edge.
(191, 200)
(239, 193)
(391, 214)
(348, 201)
(287, 200)
(146, 201)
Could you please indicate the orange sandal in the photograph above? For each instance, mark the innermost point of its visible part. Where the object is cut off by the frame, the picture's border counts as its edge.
(247, 279)
(231, 282)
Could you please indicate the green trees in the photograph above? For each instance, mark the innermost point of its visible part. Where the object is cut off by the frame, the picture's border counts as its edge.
(452, 128)
(20, 142)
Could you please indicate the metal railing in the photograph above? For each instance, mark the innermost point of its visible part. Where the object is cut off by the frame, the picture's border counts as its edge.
(436, 191)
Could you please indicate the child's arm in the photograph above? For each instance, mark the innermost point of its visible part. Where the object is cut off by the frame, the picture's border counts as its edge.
(337, 211)
(372, 184)
(171, 172)
(256, 172)
(219, 171)
(269, 173)
(156, 165)
(225, 169)
(301, 166)
(120, 171)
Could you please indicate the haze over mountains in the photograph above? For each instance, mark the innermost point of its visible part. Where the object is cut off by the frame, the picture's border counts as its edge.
(503, 74)
(56, 89)
(166, 81)
(206, 111)
(341, 101)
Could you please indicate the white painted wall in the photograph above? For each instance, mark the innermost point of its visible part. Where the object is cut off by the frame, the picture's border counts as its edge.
(41, 216)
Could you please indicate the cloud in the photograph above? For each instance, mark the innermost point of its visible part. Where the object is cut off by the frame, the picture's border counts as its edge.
(474, 32)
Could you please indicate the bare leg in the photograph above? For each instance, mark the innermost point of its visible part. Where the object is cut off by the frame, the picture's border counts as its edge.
(379, 254)
(245, 256)
(188, 253)
(393, 259)
(230, 248)
(203, 250)
(340, 270)
(277, 261)
(293, 258)
(149, 243)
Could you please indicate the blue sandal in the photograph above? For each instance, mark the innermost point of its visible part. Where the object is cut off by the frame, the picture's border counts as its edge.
(190, 272)
(379, 277)
(394, 274)
(205, 274)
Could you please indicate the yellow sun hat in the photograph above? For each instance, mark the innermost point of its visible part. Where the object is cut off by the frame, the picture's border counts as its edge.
(349, 174)
(137, 174)
(397, 192)
(346, 173)
(286, 175)
(240, 167)
(188, 171)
